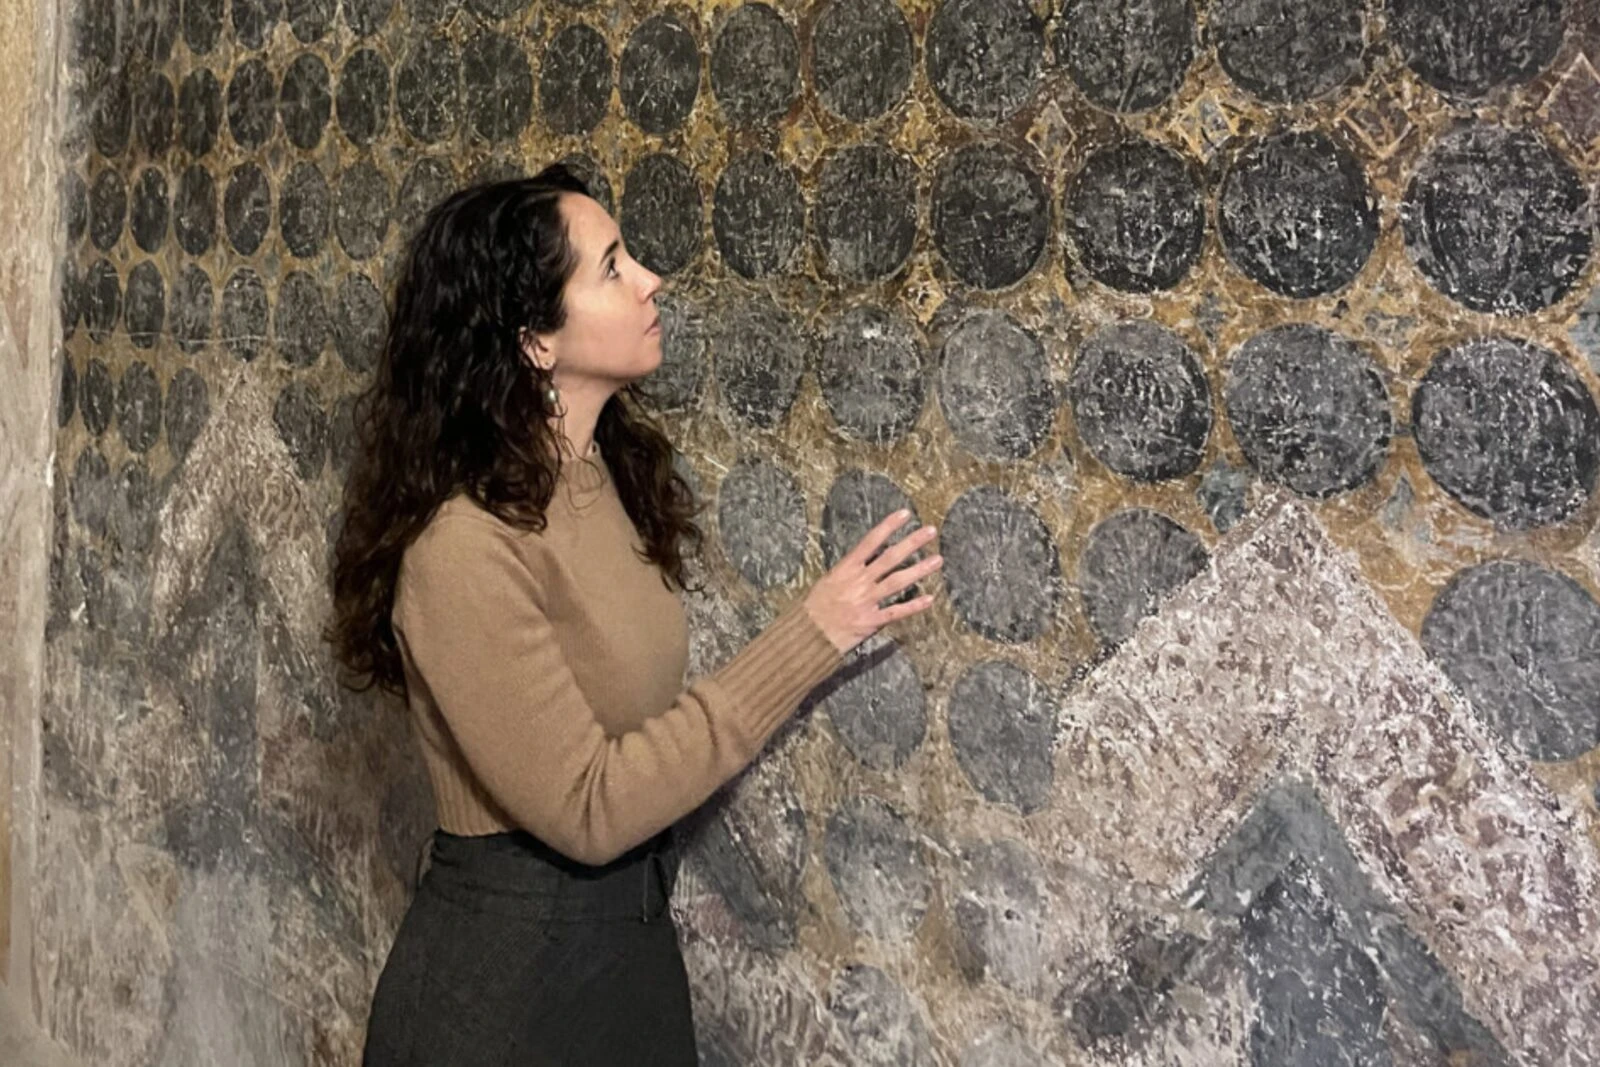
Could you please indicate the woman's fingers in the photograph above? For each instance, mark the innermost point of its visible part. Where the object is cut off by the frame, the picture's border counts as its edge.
(896, 581)
(844, 603)
(900, 551)
(875, 538)
(896, 612)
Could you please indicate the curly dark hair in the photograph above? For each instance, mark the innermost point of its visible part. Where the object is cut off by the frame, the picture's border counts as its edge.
(456, 406)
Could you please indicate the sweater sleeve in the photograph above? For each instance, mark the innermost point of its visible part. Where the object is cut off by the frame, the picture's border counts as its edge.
(468, 614)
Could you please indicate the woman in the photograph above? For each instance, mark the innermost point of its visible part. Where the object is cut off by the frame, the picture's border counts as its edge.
(511, 562)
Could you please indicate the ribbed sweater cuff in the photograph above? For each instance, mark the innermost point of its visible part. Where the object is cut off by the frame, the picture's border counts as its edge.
(768, 679)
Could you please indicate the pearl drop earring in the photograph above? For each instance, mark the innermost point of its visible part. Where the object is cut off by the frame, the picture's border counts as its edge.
(552, 395)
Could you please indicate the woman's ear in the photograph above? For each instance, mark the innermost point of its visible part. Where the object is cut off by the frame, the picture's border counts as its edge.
(537, 350)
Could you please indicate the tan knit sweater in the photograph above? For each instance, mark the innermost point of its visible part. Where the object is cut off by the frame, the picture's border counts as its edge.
(544, 672)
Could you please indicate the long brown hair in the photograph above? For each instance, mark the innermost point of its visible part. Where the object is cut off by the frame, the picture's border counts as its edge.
(455, 406)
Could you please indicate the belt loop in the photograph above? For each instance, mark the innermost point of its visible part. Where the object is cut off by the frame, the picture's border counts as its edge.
(424, 861)
(653, 863)
(644, 892)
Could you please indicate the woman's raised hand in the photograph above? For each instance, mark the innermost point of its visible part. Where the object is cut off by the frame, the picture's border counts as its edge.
(844, 603)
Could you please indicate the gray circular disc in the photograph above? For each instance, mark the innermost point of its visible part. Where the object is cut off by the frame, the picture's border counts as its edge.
(300, 321)
(496, 86)
(761, 518)
(1127, 55)
(758, 215)
(984, 58)
(1135, 217)
(761, 352)
(1296, 214)
(302, 425)
(575, 79)
(659, 75)
(857, 501)
(1289, 51)
(1141, 401)
(1002, 727)
(1523, 642)
(662, 213)
(146, 304)
(1309, 408)
(305, 210)
(1467, 48)
(139, 407)
(1001, 567)
(866, 214)
(1509, 430)
(877, 867)
(188, 408)
(755, 66)
(427, 90)
(879, 711)
(999, 915)
(1498, 220)
(361, 213)
(1133, 560)
(861, 57)
(990, 214)
(871, 370)
(994, 387)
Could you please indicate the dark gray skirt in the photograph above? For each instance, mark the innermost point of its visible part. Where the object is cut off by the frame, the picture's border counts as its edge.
(512, 954)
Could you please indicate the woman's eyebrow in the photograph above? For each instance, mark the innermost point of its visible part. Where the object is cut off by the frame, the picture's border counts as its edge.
(611, 250)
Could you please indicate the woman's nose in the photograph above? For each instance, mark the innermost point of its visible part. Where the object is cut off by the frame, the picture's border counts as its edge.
(652, 284)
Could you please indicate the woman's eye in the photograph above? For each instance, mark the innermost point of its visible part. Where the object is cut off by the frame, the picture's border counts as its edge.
(611, 271)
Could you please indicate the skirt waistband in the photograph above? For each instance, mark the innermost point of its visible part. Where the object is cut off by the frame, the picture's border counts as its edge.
(515, 873)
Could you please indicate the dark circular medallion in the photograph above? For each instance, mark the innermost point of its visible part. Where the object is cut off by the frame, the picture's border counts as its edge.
(1134, 216)
(1296, 214)
(575, 80)
(755, 66)
(990, 215)
(866, 215)
(1523, 642)
(872, 371)
(1466, 48)
(994, 387)
(1132, 561)
(1289, 51)
(1509, 430)
(1001, 567)
(1127, 55)
(984, 57)
(659, 75)
(1499, 221)
(861, 57)
(758, 215)
(1141, 402)
(662, 214)
(761, 519)
(1002, 727)
(1309, 409)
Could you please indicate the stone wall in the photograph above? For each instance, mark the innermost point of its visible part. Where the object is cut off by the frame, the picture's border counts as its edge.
(1244, 353)
(29, 355)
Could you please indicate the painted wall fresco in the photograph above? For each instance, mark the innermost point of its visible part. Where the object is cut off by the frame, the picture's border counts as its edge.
(1244, 351)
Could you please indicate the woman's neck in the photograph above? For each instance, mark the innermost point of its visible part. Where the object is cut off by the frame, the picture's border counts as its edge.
(574, 427)
(571, 451)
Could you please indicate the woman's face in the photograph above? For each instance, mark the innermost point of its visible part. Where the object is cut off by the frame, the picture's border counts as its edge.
(612, 333)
